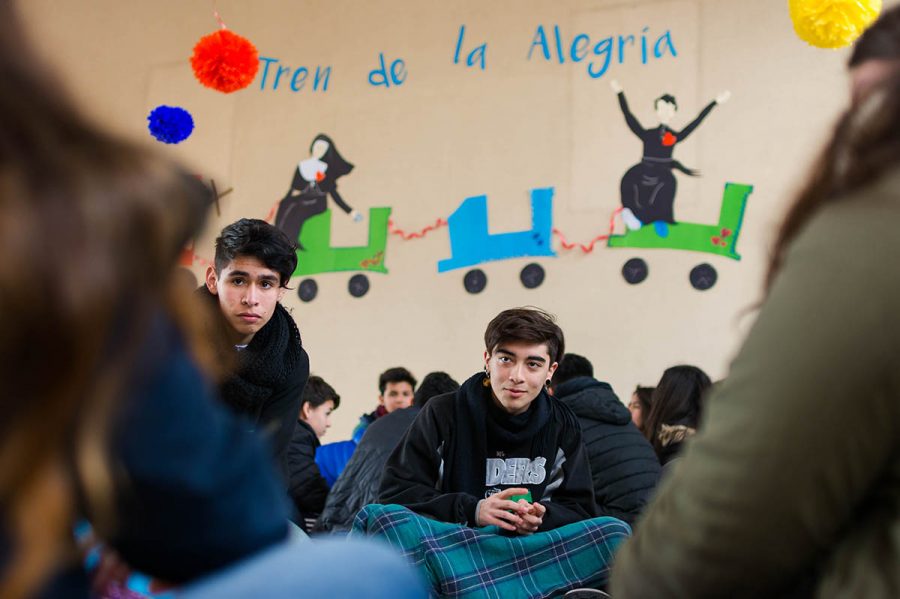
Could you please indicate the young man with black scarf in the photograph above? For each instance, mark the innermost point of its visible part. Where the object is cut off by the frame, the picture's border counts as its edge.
(254, 333)
(500, 450)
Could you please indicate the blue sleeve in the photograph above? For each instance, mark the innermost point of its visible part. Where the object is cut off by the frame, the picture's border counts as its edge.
(197, 492)
(331, 459)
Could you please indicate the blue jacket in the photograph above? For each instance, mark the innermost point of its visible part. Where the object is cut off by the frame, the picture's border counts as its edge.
(332, 457)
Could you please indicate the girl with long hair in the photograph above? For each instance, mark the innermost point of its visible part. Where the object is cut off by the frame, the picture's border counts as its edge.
(675, 410)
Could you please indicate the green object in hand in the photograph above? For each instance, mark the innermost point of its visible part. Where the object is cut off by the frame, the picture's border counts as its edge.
(526, 496)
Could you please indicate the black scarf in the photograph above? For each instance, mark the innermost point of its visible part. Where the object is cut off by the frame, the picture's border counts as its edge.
(272, 356)
(464, 464)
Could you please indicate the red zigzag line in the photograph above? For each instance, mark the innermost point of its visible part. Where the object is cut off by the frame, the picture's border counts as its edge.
(415, 234)
(440, 222)
(587, 249)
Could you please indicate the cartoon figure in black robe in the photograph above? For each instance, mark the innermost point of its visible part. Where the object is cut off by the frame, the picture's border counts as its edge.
(314, 179)
(648, 188)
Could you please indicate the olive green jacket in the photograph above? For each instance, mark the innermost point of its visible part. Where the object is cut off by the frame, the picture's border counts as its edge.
(795, 473)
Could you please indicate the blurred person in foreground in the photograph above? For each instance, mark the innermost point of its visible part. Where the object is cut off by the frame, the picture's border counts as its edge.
(114, 420)
(792, 487)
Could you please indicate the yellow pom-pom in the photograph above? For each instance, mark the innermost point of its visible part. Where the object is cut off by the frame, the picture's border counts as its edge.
(832, 23)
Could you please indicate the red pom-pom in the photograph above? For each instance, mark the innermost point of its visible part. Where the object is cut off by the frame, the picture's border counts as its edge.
(225, 61)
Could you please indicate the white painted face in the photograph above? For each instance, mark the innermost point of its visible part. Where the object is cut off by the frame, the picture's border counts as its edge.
(319, 147)
(665, 111)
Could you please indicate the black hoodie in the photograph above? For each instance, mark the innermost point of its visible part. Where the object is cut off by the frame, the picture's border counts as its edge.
(458, 451)
(624, 467)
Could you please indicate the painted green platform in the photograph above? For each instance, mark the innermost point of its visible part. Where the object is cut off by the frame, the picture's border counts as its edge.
(720, 239)
(318, 256)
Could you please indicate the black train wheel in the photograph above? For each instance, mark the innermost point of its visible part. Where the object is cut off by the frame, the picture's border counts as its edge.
(635, 271)
(308, 290)
(358, 285)
(475, 281)
(532, 276)
(703, 277)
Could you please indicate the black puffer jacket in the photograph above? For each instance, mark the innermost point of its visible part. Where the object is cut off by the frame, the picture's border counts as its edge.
(623, 465)
(306, 485)
(358, 484)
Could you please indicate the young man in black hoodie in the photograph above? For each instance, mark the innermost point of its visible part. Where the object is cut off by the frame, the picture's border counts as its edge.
(254, 262)
(623, 464)
(499, 451)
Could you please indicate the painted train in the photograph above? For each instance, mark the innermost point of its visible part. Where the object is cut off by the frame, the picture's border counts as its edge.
(472, 245)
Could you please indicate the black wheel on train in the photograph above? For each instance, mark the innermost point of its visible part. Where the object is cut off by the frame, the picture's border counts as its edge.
(532, 275)
(308, 289)
(703, 277)
(635, 271)
(475, 281)
(358, 285)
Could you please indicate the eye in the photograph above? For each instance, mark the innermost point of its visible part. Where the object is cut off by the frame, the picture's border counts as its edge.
(266, 284)
(237, 281)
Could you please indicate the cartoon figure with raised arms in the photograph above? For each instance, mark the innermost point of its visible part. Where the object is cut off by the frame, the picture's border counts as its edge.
(648, 188)
(314, 179)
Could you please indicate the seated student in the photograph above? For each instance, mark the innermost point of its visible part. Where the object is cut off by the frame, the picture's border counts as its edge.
(675, 410)
(253, 264)
(358, 484)
(498, 478)
(501, 435)
(623, 465)
(639, 406)
(307, 488)
(395, 392)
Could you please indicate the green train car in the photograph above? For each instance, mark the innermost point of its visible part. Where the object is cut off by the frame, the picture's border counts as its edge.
(317, 255)
(719, 239)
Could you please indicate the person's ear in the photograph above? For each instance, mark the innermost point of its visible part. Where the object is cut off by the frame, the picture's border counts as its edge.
(305, 410)
(212, 280)
(487, 358)
(380, 399)
(552, 370)
(281, 293)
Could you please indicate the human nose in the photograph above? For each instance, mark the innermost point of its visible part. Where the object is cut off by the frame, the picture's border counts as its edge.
(516, 373)
(251, 296)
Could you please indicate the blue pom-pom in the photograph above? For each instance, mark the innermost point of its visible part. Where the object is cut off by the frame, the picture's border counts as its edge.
(170, 124)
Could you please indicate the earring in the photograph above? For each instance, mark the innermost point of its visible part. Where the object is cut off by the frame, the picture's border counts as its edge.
(547, 384)
(487, 378)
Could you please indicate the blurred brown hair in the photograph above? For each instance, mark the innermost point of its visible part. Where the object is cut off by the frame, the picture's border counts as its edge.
(91, 228)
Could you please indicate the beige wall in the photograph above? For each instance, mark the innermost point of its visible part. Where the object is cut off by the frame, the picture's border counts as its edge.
(450, 132)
